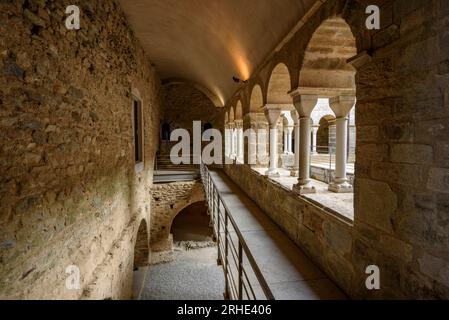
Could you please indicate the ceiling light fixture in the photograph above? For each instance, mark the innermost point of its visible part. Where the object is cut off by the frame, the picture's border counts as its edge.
(238, 80)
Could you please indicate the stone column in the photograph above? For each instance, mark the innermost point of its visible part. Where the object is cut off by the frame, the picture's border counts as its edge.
(314, 139)
(227, 140)
(239, 140)
(232, 131)
(304, 104)
(272, 116)
(295, 169)
(341, 106)
(263, 132)
(289, 140)
(285, 140)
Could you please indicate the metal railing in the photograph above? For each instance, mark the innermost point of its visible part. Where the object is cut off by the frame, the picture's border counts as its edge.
(233, 252)
(326, 155)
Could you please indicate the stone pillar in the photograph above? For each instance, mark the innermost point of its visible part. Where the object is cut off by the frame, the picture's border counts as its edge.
(239, 140)
(250, 143)
(341, 106)
(285, 140)
(272, 116)
(314, 139)
(233, 151)
(304, 104)
(295, 169)
(289, 140)
(263, 132)
(227, 141)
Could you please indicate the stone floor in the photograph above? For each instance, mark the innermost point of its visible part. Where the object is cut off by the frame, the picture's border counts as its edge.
(192, 275)
(342, 203)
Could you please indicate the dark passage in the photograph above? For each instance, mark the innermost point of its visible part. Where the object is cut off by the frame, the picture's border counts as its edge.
(192, 224)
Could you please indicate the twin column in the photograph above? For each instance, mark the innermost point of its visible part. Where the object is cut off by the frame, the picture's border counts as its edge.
(341, 105)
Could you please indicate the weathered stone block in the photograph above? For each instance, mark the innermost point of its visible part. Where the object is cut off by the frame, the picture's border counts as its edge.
(432, 130)
(375, 204)
(412, 153)
(338, 237)
(434, 267)
(376, 152)
(439, 180)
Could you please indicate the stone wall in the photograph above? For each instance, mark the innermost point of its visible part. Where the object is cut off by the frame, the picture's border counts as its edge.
(402, 169)
(184, 104)
(69, 193)
(168, 199)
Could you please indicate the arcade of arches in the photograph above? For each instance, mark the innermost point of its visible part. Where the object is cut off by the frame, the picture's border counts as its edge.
(348, 152)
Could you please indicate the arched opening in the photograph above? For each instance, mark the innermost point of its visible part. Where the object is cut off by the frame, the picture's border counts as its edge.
(279, 86)
(207, 126)
(325, 62)
(325, 136)
(141, 258)
(165, 131)
(256, 101)
(326, 76)
(278, 102)
(192, 224)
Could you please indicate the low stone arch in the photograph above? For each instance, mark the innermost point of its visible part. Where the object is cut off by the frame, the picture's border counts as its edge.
(168, 200)
(324, 67)
(185, 214)
(322, 138)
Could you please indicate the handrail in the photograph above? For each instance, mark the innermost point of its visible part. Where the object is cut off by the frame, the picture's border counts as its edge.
(215, 203)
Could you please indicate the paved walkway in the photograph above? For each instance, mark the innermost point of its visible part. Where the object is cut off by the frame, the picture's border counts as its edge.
(193, 275)
(287, 270)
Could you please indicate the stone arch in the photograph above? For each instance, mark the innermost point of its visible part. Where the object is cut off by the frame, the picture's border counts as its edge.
(238, 111)
(323, 133)
(279, 84)
(201, 222)
(256, 102)
(325, 65)
(141, 247)
(226, 118)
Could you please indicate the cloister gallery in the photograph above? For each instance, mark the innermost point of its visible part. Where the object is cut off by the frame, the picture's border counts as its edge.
(332, 121)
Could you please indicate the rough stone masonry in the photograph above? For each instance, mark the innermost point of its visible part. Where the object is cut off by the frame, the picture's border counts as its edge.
(69, 194)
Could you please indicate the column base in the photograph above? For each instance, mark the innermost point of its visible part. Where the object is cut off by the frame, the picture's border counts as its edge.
(340, 187)
(294, 173)
(303, 189)
(272, 173)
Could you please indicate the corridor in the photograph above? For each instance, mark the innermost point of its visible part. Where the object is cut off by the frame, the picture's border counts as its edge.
(303, 143)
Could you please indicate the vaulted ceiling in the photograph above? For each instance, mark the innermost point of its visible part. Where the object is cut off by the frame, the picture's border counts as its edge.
(207, 42)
